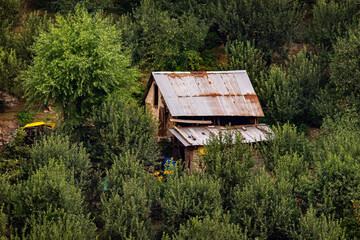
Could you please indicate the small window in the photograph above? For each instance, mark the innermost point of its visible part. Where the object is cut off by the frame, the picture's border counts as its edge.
(156, 95)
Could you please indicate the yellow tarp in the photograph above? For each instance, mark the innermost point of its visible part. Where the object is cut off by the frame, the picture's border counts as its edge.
(35, 124)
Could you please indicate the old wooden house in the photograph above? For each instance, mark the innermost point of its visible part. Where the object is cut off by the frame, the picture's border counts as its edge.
(190, 106)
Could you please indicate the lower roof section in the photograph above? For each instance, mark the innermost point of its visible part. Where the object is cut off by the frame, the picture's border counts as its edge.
(199, 136)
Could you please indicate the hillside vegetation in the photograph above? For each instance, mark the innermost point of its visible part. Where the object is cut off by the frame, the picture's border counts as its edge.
(93, 176)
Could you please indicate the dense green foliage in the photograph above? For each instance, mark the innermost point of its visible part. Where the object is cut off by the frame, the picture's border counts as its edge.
(9, 13)
(243, 55)
(271, 24)
(72, 155)
(331, 20)
(100, 178)
(215, 227)
(120, 126)
(289, 92)
(52, 187)
(228, 161)
(162, 42)
(77, 63)
(67, 226)
(10, 65)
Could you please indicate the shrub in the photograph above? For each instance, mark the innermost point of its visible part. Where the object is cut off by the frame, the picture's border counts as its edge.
(125, 167)
(10, 66)
(31, 28)
(244, 56)
(216, 227)
(265, 206)
(162, 42)
(57, 146)
(272, 24)
(283, 140)
(25, 117)
(339, 137)
(333, 186)
(120, 126)
(14, 158)
(313, 227)
(289, 93)
(229, 160)
(64, 226)
(9, 13)
(345, 71)
(331, 20)
(127, 211)
(187, 196)
(66, 6)
(290, 167)
(6, 188)
(3, 221)
(51, 185)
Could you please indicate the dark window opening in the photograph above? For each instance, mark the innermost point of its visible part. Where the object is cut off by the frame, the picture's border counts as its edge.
(156, 95)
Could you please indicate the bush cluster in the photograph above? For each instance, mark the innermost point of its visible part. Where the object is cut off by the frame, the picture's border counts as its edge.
(93, 177)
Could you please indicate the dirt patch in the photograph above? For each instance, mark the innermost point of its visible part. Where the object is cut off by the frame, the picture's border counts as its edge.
(9, 109)
(313, 133)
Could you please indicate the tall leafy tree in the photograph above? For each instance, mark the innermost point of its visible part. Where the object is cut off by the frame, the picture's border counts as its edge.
(120, 126)
(271, 23)
(331, 20)
(289, 92)
(345, 70)
(162, 42)
(77, 63)
(244, 56)
(9, 13)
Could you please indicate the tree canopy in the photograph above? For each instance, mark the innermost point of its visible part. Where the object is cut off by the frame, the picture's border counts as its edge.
(77, 63)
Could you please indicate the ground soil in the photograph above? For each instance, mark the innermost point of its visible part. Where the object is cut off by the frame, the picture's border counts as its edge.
(9, 109)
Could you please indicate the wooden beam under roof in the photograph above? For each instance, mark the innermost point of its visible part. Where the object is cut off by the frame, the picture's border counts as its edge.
(191, 121)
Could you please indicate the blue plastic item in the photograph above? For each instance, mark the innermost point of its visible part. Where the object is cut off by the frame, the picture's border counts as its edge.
(168, 163)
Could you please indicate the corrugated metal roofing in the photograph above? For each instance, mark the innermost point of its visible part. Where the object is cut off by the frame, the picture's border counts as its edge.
(198, 136)
(226, 93)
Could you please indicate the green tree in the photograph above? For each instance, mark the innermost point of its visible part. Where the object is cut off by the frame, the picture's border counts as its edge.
(78, 63)
(120, 126)
(345, 71)
(9, 13)
(244, 56)
(63, 226)
(331, 20)
(216, 227)
(162, 42)
(127, 205)
(51, 187)
(3, 221)
(30, 29)
(229, 160)
(289, 92)
(313, 227)
(125, 167)
(5, 200)
(284, 140)
(187, 196)
(66, 6)
(59, 147)
(265, 206)
(127, 212)
(272, 24)
(10, 67)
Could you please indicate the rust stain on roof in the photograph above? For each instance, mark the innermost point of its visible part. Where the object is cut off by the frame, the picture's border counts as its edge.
(227, 93)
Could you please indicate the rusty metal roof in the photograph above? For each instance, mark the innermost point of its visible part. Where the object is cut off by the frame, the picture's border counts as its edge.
(226, 93)
(199, 136)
